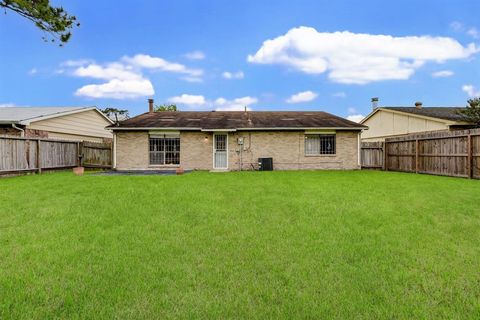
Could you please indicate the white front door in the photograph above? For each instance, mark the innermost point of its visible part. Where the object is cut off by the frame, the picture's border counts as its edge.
(220, 151)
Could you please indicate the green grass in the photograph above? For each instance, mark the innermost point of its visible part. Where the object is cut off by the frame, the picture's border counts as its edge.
(340, 245)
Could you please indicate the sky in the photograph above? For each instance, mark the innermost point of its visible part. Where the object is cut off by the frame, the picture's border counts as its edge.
(331, 56)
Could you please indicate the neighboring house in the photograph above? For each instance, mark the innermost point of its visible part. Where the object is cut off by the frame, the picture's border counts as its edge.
(386, 122)
(68, 123)
(230, 140)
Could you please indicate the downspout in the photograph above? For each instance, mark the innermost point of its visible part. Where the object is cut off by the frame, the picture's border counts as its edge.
(359, 150)
(114, 164)
(22, 131)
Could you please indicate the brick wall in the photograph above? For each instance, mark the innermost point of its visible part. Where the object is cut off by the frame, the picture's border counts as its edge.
(28, 133)
(288, 151)
(132, 150)
(32, 133)
(9, 131)
(285, 147)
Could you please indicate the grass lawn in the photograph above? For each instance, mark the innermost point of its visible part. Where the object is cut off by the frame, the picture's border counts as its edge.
(360, 244)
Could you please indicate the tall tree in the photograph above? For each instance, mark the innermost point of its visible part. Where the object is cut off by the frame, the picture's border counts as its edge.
(472, 112)
(115, 114)
(166, 107)
(54, 21)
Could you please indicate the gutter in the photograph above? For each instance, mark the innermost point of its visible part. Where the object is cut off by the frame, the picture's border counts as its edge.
(22, 131)
(238, 129)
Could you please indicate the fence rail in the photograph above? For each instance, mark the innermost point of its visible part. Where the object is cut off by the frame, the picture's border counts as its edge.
(454, 153)
(19, 154)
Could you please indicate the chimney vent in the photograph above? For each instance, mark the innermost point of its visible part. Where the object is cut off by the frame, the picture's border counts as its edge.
(150, 105)
(418, 105)
(374, 103)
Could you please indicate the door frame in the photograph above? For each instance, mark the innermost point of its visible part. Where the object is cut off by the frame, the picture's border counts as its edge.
(214, 149)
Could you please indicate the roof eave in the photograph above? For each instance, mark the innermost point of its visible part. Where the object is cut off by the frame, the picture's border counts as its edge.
(27, 122)
(446, 121)
(9, 122)
(113, 128)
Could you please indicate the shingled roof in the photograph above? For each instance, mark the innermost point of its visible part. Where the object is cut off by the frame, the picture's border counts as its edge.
(237, 120)
(446, 113)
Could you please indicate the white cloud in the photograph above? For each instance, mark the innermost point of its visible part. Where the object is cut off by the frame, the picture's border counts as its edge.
(460, 27)
(109, 72)
(32, 71)
(188, 100)
(457, 26)
(356, 117)
(220, 104)
(148, 62)
(474, 33)
(76, 63)
(124, 79)
(304, 96)
(8, 105)
(195, 55)
(357, 58)
(237, 104)
(352, 110)
(233, 75)
(442, 74)
(124, 82)
(471, 91)
(340, 95)
(118, 89)
(193, 79)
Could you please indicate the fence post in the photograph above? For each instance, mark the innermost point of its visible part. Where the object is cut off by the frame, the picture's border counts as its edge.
(469, 156)
(416, 155)
(111, 154)
(385, 156)
(80, 153)
(39, 161)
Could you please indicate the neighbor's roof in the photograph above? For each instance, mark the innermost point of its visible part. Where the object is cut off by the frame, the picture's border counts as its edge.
(237, 120)
(450, 114)
(25, 115)
(446, 113)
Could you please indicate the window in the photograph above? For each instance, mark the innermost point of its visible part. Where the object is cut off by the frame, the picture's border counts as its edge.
(316, 144)
(165, 149)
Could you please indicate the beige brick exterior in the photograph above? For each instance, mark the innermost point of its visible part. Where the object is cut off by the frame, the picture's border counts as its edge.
(285, 147)
(131, 150)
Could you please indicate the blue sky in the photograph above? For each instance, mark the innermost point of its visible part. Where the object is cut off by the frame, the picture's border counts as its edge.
(204, 55)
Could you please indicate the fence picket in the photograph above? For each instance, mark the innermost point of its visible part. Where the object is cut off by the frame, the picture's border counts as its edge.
(452, 153)
(19, 154)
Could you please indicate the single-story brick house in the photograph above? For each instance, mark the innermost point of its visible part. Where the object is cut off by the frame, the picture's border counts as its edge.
(67, 123)
(234, 140)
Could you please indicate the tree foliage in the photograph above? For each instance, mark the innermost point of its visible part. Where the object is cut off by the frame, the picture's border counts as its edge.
(114, 113)
(54, 21)
(472, 112)
(166, 107)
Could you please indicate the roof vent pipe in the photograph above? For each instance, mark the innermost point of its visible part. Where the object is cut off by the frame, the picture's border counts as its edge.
(374, 103)
(150, 105)
(418, 105)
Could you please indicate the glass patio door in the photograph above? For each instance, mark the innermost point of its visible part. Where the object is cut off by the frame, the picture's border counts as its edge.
(220, 151)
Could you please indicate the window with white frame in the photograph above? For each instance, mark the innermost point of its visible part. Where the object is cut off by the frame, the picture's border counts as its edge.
(164, 149)
(320, 144)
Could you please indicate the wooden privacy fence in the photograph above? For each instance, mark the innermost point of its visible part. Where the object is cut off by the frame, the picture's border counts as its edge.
(96, 155)
(452, 153)
(30, 154)
(372, 155)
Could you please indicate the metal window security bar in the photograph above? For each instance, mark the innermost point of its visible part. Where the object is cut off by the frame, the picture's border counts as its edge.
(165, 150)
(318, 144)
